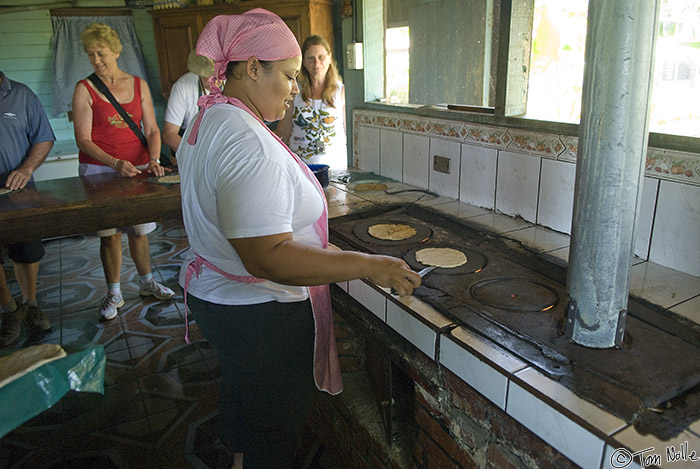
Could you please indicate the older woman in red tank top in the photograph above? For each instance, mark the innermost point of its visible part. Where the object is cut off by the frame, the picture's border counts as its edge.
(107, 144)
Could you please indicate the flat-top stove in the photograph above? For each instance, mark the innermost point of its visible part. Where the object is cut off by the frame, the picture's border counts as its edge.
(517, 299)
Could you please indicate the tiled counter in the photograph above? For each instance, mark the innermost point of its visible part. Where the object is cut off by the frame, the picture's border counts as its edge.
(586, 434)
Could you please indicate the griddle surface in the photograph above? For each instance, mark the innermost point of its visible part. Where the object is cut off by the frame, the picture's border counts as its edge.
(652, 367)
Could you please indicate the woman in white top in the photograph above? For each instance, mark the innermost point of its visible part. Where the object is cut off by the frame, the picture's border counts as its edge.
(182, 102)
(315, 128)
(256, 276)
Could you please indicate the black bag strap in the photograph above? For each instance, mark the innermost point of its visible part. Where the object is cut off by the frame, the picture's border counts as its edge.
(99, 84)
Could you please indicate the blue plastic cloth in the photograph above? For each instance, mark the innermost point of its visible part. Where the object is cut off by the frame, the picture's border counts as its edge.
(83, 369)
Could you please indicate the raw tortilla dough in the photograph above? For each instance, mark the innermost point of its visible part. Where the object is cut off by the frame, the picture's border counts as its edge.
(391, 231)
(23, 361)
(170, 179)
(441, 257)
(370, 186)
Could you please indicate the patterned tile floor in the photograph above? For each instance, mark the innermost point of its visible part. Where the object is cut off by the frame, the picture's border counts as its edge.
(159, 408)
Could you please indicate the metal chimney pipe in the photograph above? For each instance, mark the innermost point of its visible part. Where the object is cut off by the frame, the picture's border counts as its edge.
(612, 146)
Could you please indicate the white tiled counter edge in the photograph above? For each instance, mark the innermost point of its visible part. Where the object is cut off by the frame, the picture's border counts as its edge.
(584, 433)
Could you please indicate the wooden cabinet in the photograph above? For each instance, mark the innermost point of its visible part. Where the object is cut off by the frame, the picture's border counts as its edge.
(176, 30)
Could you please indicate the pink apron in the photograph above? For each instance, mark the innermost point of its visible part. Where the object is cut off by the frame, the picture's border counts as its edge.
(326, 367)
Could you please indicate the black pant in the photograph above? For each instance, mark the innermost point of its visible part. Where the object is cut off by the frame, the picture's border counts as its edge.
(266, 357)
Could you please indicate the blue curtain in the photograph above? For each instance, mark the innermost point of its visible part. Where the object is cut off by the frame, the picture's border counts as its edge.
(70, 63)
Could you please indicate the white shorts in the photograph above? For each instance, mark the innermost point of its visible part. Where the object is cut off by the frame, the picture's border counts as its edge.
(85, 169)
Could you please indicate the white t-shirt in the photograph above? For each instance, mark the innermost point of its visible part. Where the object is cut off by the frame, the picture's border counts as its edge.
(182, 102)
(318, 131)
(238, 181)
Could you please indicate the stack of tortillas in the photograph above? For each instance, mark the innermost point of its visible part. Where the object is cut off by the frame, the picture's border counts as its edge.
(169, 179)
(21, 362)
(391, 231)
(446, 258)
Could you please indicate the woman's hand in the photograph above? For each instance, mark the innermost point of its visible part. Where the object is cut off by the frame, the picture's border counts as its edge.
(156, 169)
(125, 168)
(394, 273)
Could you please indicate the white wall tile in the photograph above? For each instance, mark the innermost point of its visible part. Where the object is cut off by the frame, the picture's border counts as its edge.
(572, 440)
(416, 150)
(517, 184)
(645, 217)
(441, 183)
(473, 370)
(594, 416)
(689, 309)
(556, 195)
(661, 285)
(369, 149)
(540, 239)
(676, 231)
(411, 329)
(368, 297)
(391, 154)
(477, 185)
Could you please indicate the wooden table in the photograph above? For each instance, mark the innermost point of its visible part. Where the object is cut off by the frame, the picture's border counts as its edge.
(84, 204)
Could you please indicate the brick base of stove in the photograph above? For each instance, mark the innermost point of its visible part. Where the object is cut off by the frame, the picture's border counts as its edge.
(450, 426)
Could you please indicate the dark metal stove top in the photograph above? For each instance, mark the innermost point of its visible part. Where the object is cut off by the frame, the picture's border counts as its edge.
(518, 300)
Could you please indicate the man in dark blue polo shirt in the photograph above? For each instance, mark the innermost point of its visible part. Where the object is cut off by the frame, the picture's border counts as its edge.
(27, 138)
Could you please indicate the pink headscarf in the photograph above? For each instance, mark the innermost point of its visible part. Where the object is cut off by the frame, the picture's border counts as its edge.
(231, 38)
(256, 33)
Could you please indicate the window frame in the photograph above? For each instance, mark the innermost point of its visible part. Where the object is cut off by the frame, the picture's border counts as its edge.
(507, 14)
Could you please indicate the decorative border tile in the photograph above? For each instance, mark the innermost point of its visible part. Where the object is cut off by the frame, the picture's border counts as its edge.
(495, 137)
(535, 143)
(453, 130)
(392, 121)
(419, 125)
(362, 117)
(673, 165)
(571, 150)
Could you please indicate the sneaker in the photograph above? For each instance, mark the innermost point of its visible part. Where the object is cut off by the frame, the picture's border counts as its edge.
(153, 288)
(37, 319)
(109, 306)
(10, 325)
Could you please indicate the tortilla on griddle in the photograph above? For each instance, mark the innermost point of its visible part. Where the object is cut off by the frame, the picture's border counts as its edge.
(446, 258)
(391, 231)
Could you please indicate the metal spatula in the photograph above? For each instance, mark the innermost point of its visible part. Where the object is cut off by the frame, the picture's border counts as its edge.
(422, 273)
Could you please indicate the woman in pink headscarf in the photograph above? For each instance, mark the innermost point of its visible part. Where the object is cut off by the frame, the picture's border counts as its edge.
(256, 276)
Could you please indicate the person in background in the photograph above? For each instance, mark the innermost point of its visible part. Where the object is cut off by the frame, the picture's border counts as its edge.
(27, 138)
(182, 103)
(315, 128)
(257, 273)
(108, 145)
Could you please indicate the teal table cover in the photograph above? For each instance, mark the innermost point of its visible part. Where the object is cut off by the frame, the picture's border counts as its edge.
(83, 369)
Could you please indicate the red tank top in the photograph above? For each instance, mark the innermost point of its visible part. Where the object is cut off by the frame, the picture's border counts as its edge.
(111, 133)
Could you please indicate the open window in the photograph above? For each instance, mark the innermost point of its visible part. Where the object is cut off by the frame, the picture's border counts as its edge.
(447, 52)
